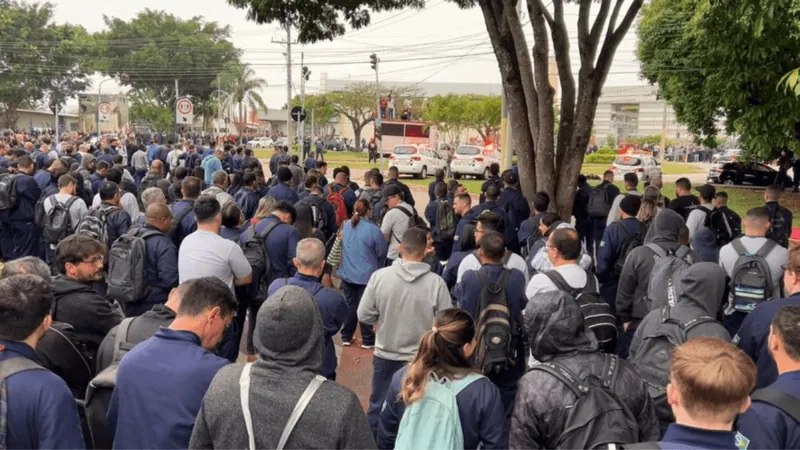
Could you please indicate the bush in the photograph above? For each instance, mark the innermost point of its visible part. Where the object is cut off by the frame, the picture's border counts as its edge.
(598, 158)
(606, 151)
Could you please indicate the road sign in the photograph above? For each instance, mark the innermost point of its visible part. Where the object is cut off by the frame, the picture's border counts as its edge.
(184, 111)
(105, 112)
(298, 114)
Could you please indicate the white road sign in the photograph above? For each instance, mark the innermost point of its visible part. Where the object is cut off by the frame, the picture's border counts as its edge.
(184, 111)
(105, 112)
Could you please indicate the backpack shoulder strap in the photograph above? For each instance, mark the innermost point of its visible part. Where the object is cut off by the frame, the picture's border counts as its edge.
(299, 408)
(695, 322)
(660, 252)
(69, 203)
(405, 211)
(591, 283)
(16, 365)
(459, 385)
(565, 376)
(179, 218)
(739, 247)
(766, 248)
(610, 371)
(785, 402)
(122, 334)
(682, 252)
(561, 283)
(263, 235)
(628, 233)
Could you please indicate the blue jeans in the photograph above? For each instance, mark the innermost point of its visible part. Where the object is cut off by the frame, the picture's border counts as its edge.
(382, 372)
(352, 295)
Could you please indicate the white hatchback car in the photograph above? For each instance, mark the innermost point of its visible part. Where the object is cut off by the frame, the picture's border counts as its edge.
(262, 142)
(644, 166)
(473, 160)
(416, 160)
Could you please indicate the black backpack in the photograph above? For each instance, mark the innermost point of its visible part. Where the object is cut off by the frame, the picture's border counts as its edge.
(57, 223)
(597, 313)
(8, 191)
(751, 279)
(631, 242)
(414, 220)
(98, 394)
(127, 264)
(599, 203)
(445, 220)
(778, 228)
(497, 336)
(256, 253)
(653, 358)
(318, 216)
(598, 418)
(725, 226)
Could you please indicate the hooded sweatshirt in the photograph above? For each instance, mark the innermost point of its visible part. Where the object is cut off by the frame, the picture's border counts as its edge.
(554, 323)
(632, 287)
(402, 300)
(701, 293)
(289, 341)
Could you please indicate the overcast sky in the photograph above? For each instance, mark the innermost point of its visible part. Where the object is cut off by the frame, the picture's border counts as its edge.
(452, 44)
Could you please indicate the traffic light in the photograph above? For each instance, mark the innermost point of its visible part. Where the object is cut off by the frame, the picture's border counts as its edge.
(306, 73)
(373, 61)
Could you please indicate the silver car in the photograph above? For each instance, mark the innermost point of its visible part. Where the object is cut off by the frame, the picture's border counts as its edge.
(644, 166)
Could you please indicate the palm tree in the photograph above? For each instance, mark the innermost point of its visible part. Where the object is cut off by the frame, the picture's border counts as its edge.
(242, 86)
(207, 108)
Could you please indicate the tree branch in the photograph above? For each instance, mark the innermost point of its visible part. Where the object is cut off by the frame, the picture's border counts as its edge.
(613, 22)
(560, 38)
(613, 40)
(597, 27)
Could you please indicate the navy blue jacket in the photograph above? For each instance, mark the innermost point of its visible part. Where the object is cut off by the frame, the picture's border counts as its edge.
(580, 207)
(192, 160)
(323, 181)
(611, 248)
(247, 201)
(28, 193)
(310, 163)
(41, 410)
(107, 157)
(188, 225)
(768, 427)
(119, 222)
(282, 191)
(160, 385)
(529, 227)
(281, 245)
(753, 334)
(787, 214)
(273, 163)
(508, 232)
(41, 160)
(161, 268)
(468, 293)
(492, 180)
(516, 206)
(406, 191)
(450, 274)
(432, 189)
(332, 309)
(683, 437)
(97, 181)
(43, 179)
(430, 215)
(479, 409)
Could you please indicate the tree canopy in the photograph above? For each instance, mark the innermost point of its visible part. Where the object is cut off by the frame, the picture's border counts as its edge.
(721, 63)
(39, 60)
(456, 113)
(547, 161)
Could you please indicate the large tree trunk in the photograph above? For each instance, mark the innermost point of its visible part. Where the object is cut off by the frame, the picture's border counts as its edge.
(10, 117)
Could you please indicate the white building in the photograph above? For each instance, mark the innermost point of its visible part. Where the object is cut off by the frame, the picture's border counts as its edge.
(634, 111)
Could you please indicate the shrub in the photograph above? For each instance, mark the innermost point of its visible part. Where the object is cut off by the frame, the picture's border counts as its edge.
(606, 151)
(599, 158)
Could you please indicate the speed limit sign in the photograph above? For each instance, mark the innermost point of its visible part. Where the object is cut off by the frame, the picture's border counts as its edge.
(184, 111)
(105, 111)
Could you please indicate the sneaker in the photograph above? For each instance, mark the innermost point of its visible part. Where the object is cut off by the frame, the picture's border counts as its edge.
(347, 343)
(367, 346)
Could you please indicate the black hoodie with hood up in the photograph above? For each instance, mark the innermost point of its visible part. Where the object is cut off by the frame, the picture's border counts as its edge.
(557, 334)
(290, 343)
(632, 287)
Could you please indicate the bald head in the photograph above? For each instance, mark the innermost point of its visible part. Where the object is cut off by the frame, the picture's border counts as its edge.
(159, 216)
(156, 166)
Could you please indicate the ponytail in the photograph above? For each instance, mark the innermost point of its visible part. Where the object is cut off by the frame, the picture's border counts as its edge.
(441, 352)
(361, 209)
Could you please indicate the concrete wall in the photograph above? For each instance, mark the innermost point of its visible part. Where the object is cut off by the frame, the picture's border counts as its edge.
(41, 120)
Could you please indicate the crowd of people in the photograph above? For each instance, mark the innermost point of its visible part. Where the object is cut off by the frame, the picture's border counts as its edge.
(132, 286)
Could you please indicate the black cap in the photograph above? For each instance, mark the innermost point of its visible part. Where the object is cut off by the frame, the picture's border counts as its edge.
(707, 191)
(511, 177)
(630, 205)
(284, 174)
(391, 191)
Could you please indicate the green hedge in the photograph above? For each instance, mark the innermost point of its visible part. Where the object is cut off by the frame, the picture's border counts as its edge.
(598, 158)
(606, 151)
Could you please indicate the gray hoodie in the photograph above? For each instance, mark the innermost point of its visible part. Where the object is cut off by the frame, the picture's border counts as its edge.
(632, 287)
(701, 293)
(402, 299)
(289, 340)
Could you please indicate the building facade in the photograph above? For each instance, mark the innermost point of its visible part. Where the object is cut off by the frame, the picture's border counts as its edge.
(626, 112)
(30, 120)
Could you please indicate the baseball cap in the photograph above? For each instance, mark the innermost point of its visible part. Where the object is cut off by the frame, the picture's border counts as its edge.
(391, 191)
(706, 191)
(511, 177)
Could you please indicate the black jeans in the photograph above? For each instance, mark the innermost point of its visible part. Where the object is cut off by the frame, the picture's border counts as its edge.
(352, 295)
(382, 372)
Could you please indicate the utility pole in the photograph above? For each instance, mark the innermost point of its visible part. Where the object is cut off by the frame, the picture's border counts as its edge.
(663, 135)
(177, 96)
(288, 43)
(374, 60)
(305, 75)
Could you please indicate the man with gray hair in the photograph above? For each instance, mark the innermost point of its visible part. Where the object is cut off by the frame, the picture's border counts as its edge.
(60, 349)
(218, 190)
(310, 263)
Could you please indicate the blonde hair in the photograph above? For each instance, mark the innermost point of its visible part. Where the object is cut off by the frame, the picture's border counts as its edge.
(713, 377)
(265, 206)
(647, 210)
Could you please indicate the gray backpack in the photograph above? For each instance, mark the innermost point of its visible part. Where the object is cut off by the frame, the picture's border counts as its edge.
(127, 262)
(10, 367)
(653, 358)
(751, 280)
(663, 288)
(57, 222)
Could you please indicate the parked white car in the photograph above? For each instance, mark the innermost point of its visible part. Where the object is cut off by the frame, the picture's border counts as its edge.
(416, 160)
(262, 142)
(473, 160)
(644, 166)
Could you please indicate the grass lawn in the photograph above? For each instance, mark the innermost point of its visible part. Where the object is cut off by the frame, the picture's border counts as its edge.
(667, 168)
